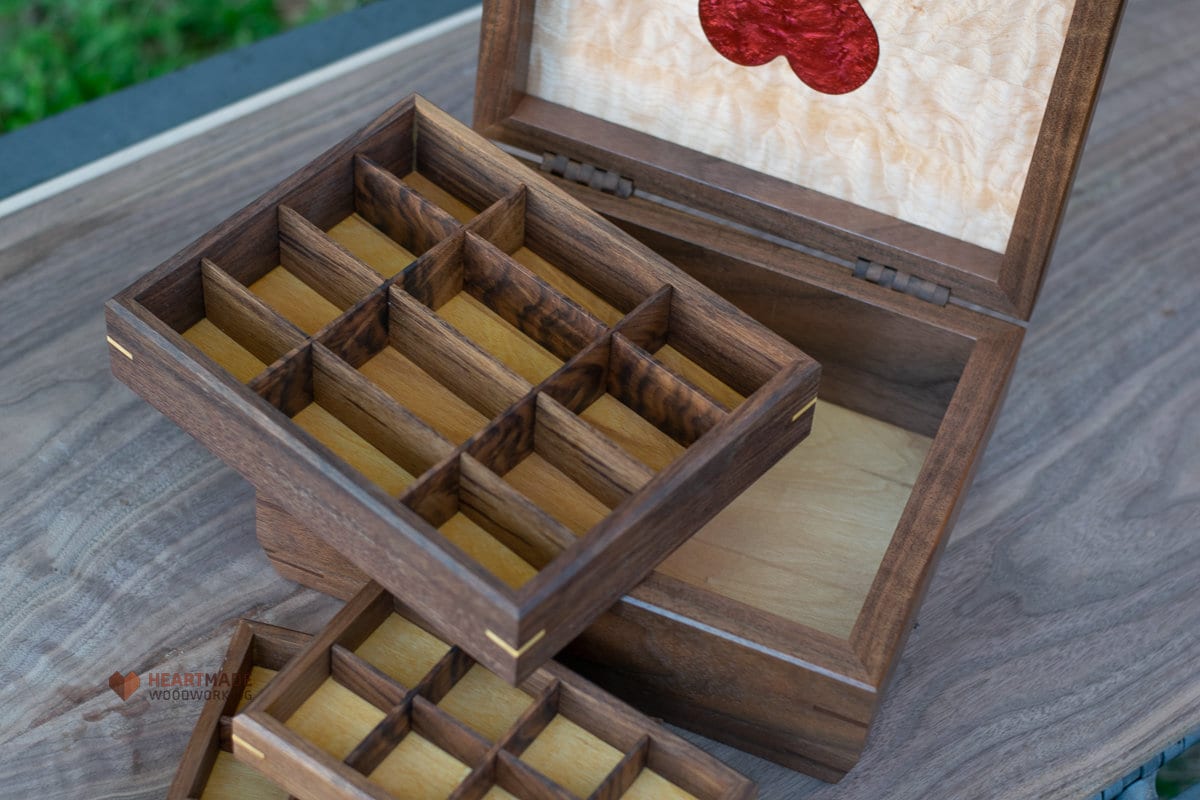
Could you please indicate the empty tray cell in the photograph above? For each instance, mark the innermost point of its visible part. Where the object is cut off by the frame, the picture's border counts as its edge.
(417, 768)
(626, 395)
(649, 785)
(503, 224)
(402, 650)
(393, 223)
(208, 770)
(316, 279)
(488, 521)
(230, 779)
(502, 307)
(424, 365)
(255, 682)
(485, 703)
(440, 197)
(697, 353)
(572, 757)
(237, 331)
(474, 540)
(334, 718)
(561, 464)
(371, 246)
(420, 770)
(352, 417)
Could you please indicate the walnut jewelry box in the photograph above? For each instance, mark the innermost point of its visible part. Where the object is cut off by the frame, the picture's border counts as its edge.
(590, 450)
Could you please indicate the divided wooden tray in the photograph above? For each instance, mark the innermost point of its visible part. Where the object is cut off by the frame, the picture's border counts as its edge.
(208, 770)
(378, 706)
(475, 389)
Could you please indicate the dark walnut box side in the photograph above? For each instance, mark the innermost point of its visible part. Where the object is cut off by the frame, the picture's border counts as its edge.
(478, 391)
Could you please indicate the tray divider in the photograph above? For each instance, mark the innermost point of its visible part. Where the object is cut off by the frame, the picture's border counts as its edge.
(437, 276)
(365, 679)
(447, 672)
(677, 408)
(381, 740)
(306, 251)
(478, 783)
(585, 455)
(517, 777)
(383, 200)
(458, 363)
(624, 773)
(303, 674)
(649, 325)
(533, 721)
(503, 222)
(525, 301)
(360, 332)
(509, 516)
(288, 383)
(249, 321)
(374, 415)
(448, 733)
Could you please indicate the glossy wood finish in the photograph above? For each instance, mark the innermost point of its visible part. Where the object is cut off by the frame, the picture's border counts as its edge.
(280, 286)
(1006, 282)
(378, 707)
(126, 542)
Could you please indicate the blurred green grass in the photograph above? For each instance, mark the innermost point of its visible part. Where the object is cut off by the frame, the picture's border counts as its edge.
(55, 54)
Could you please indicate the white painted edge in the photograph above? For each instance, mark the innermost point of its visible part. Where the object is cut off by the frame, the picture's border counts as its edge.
(234, 111)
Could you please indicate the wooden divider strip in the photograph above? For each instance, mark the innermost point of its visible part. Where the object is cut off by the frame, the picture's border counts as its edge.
(454, 360)
(308, 253)
(503, 222)
(245, 317)
(374, 415)
(674, 406)
(588, 457)
(508, 515)
(624, 773)
(384, 201)
(525, 301)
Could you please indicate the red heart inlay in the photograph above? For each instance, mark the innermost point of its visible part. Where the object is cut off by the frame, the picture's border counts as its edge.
(831, 45)
(124, 685)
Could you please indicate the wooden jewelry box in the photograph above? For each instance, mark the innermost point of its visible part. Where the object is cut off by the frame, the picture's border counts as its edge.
(379, 706)
(897, 233)
(508, 442)
(418, 737)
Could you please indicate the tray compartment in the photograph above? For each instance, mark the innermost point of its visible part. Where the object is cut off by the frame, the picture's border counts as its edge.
(505, 223)
(230, 325)
(208, 770)
(632, 400)
(452, 729)
(488, 520)
(509, 312)
(560, 463)
(348, 454)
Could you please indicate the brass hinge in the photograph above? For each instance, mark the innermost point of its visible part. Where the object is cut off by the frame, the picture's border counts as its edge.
(588, 174)
(896, 280)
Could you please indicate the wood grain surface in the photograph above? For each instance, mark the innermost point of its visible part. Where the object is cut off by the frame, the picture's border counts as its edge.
(957, 99)
(1056, 649)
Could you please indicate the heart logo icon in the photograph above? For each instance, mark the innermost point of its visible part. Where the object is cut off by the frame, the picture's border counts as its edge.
(831, 45)
(124, 685)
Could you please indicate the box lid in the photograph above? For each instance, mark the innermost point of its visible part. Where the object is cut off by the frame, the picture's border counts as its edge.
(507, 417)
(379, 706)
(938, 138)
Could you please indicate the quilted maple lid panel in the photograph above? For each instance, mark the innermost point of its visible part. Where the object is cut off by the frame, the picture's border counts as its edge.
(929, 113)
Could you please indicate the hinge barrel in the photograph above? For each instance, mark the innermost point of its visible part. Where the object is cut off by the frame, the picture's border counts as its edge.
(588, 174)
(902, 282)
